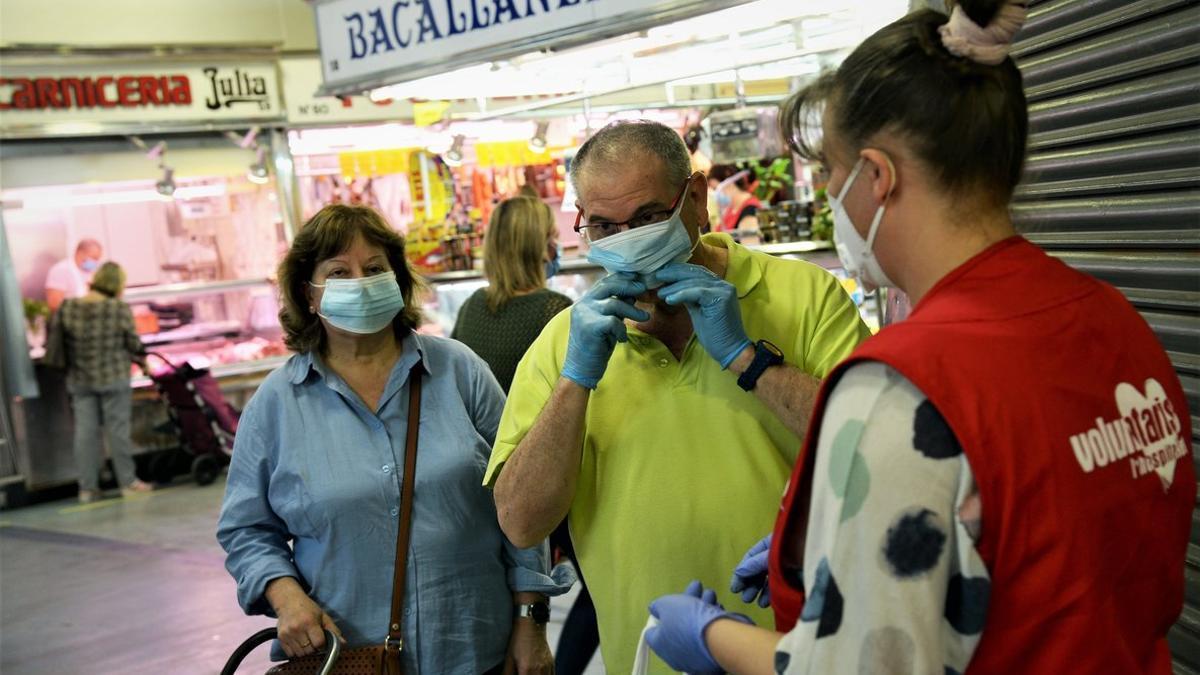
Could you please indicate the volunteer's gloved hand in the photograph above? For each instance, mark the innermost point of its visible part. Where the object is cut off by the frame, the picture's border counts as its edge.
(750, 576)
(678, 638)
(597, 325)
(713, 306)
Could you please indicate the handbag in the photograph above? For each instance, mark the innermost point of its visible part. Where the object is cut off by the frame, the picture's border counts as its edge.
(380, 659)
(56, 342)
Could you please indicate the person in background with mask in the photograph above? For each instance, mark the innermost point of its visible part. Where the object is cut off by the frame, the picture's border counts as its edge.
(499, 322)
(71, 277)
(312, 502)
(738, 206)
(636, 401)
(554, 249)
(1003, 482)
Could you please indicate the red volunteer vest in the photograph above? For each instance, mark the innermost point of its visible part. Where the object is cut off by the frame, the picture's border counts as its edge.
(1079, 436)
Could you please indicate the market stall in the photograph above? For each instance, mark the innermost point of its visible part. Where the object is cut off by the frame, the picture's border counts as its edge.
(165, 167)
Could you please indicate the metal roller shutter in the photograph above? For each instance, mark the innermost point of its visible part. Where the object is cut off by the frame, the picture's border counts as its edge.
(1113, 179)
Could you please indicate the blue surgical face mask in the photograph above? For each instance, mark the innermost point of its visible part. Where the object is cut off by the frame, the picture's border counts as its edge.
(363, 306)
(89, 265)
(645, 250)
(554, 264)
(723, 200)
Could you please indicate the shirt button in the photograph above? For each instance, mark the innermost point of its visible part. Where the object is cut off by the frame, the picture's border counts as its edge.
(395, 511)
(387, 469)
(663, 363)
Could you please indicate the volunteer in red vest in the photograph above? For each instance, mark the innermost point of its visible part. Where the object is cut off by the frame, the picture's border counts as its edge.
(1002, 483)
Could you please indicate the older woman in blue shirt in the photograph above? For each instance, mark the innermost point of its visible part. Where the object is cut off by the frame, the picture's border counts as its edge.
(311, 509)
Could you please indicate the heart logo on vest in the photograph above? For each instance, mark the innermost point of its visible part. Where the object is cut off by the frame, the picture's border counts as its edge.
(1147, 433)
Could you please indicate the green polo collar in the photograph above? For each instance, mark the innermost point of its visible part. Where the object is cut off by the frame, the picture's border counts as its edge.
(745, 269)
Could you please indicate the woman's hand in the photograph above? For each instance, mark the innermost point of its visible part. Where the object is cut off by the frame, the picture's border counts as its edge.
(302, 623)
(528, 651)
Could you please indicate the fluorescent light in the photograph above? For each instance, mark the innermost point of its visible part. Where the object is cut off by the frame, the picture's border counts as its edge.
(57, 201)
(50, 199)
(199, 191)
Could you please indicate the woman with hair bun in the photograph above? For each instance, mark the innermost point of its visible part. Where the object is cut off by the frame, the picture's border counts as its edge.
(1004, 481)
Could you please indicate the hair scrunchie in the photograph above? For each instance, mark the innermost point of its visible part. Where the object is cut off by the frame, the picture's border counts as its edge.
(990, 46)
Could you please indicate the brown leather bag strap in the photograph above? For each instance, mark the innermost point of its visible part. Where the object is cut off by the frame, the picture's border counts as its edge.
(395, 640)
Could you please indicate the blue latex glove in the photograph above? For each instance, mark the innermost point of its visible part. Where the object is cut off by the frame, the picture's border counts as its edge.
(750, 576)
(678, 638)
(598, 324)
(713, 306)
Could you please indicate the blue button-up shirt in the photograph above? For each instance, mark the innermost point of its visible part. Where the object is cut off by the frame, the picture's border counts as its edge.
(313, 466)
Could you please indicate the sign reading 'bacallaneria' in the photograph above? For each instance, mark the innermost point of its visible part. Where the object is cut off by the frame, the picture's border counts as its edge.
(370, 43)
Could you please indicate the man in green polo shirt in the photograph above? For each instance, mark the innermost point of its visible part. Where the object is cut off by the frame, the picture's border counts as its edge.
(663, 422)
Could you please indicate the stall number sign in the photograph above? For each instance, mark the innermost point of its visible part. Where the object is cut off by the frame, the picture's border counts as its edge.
(33, 96)
(369, 43)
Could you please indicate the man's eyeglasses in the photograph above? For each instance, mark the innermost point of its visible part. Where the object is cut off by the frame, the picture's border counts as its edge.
(597, 231)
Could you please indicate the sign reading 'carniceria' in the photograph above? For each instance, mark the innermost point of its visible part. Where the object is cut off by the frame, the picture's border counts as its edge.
(370, 43)
(33, 96)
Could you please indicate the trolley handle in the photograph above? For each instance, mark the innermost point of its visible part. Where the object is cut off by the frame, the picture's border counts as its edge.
(266, 635)
(161, 357)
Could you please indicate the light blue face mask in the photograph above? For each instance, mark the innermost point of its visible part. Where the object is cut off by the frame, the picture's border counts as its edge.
(89, 265)
(363, 306)
(554, 264)
(645, 250)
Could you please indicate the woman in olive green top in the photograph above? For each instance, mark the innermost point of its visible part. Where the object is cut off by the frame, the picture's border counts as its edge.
(500, 321)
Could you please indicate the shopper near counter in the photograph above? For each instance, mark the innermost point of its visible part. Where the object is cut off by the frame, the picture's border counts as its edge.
(70, 277)
(500, 321)
(976, 492)
(310, 517)
(94, 338)
(623, 425)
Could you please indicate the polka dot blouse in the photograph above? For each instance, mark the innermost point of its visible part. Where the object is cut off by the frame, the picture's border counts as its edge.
(895, 584)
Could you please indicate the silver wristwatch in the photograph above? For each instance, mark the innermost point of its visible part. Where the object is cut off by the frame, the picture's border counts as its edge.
(538, 611)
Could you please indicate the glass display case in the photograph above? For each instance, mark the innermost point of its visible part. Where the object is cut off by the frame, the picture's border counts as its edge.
(231, 327)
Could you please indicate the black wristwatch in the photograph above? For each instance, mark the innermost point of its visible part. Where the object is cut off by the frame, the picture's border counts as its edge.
(538, 611)
(765, 356)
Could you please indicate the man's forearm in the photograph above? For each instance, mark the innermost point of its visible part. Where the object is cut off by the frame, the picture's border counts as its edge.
(787, 391)
(536, 486)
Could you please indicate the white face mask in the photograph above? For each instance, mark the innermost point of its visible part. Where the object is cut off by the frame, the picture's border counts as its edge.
(645, 250)
(856, 255)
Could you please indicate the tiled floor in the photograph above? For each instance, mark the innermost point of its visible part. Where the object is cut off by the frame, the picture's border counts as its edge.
(134, 586)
